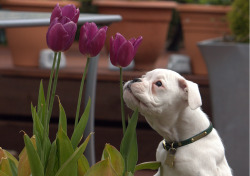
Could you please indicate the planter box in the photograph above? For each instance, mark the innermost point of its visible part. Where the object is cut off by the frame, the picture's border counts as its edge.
(228, 70)
(201, 22)
(26, 42)
(150, 19)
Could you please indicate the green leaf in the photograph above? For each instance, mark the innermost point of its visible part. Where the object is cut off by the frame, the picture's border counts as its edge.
(132, 157)
(41, 105)
(3, 174)
(23, 165)
(13, 167)
(101, 168)
(5, 166)
(52, 165)
(8, 163)
(37, 125)
(115, 158)
(83, 165)
(11, 157)
(66, 168)
(46, 150)
(152, 165)
(129, 174)
(34, 160)
(129, 148)
(37, 130)
(78, 131)
(64, 146)
(62, 118)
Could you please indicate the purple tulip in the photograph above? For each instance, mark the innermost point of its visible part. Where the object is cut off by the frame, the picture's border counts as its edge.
(91, 39)
(122, 51)
(68, 11)
(63, 26)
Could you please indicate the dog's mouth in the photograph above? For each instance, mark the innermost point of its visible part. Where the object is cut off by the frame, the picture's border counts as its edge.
(139, 102)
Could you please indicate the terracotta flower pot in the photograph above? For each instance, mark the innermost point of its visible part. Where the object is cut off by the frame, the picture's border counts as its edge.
(26, 42)
(150, 19)
(201, 22)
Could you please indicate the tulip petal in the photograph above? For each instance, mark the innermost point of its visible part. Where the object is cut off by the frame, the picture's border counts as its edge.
(112, 52)
(122, 51)
(64, 20)
(91, 39)
(91, 30)
(62, 29)
(119, 40)
(71, 28)
(56, 13)
(70, 11)
(83, 40)
(97, 42)
(136, 44)
(76, 17)
(125, 54)
(57, 37)
(132, 40)
(115, 44)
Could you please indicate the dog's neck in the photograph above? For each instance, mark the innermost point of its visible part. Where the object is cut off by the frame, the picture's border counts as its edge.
(180, 126)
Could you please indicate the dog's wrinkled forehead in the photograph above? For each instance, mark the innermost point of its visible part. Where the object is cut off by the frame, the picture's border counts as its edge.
(161, 74)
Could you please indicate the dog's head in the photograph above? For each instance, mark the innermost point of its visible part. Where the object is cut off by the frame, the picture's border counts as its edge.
(161, 91)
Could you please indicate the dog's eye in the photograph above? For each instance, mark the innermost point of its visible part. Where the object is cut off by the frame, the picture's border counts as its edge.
(158, 83)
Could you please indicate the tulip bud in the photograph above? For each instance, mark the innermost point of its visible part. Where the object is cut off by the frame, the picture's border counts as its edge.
(122, 51)
(91, 39)
(63, 26)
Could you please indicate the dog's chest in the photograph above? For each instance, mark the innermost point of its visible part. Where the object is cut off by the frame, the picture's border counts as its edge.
(183, 164)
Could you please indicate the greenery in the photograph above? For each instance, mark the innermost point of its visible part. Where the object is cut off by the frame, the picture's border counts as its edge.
(239, 20)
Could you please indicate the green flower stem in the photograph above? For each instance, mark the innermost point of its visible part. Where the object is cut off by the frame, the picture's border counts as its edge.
(50, 78)
(46, 121)
(122, 104)
(80, 92)
(54, 87)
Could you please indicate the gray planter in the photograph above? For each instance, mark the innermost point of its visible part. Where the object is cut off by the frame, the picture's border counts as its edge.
(228, 70)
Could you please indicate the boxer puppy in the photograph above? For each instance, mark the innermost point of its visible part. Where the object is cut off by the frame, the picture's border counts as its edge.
(171, 105)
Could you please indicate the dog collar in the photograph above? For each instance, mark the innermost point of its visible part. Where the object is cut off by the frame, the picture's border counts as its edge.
(174, 145)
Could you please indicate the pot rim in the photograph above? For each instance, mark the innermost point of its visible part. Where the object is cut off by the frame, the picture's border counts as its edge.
(203, 8)
(219, 42)
(37, 3)
(136, 4)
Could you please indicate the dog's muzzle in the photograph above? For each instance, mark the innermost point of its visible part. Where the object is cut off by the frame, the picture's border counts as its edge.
(128, 86)
(131, 82)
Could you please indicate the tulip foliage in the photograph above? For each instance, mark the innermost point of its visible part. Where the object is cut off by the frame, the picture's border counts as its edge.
(64, 156)
(61, 157)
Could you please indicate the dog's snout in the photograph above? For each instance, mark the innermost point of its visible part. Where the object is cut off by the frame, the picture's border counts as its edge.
(128, 84)
(136, 80)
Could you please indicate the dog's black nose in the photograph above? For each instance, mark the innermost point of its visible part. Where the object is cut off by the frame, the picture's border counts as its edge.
(132, 81)
(136, 80)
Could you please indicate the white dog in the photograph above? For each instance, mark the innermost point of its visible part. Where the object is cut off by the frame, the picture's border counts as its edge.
(171, 105)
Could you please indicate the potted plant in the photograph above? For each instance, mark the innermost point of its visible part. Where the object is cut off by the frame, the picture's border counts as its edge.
(148, 18)
(64, 156)
(200, 20)
(228, 71)
(28, 54)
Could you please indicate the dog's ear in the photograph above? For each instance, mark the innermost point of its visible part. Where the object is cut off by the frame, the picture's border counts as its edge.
(192, 92)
